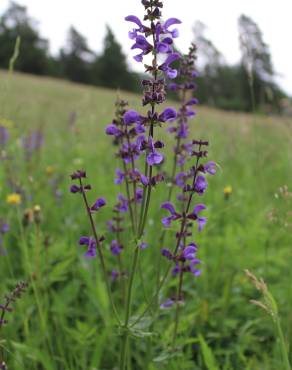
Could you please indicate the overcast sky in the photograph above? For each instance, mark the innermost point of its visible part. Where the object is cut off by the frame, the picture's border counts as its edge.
(91, 16)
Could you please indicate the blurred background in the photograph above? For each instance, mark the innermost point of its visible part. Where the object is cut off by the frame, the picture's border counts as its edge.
(242, 45)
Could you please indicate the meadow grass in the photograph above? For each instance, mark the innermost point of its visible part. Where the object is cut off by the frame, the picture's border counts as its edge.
(64, 321)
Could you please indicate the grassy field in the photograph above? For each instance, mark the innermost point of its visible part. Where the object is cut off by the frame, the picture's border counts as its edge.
(64, 321)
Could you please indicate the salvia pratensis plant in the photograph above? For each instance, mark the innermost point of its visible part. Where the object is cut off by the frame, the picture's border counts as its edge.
(141, 162)
(6, 307)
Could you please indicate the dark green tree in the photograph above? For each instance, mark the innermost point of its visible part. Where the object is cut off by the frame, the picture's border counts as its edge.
(76, 58)
(259, 84)
(110, 68)
(33, 53)
(210, 61)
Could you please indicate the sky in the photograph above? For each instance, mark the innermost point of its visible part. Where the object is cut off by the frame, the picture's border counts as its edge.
(91, 16)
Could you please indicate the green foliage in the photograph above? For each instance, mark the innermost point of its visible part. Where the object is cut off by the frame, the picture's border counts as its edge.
(110, 68)
(15, 23)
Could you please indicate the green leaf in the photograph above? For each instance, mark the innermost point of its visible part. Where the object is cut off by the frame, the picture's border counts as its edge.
(208, 356)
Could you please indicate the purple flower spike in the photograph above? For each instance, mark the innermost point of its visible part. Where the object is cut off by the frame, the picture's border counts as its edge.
(100, 202)
(168, 115)
(131, 116)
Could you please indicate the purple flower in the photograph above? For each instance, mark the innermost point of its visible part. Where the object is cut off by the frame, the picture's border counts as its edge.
(111, 226)
(136, 20)
(100, 202)
(166, 253)
(190, 251)
(201, 185)
(171, 21)
(143, 245)
(153, 157)
(120, 176)
(140, 129)
(139, 195)
(91, 244)
(171, 73)
(4, 227)
(122, 205)
(167, 304)
(4, 135)
(114, 274)
(79, 174)
(176, 270)
(116, 247)
(168, 115)
(194, 262)
(183, 130)
(173, 86)
(75, 189)
(131, 116)
(143, 44)
(195, 216)
(144, 179)
(113, 130)
(180, 179)
(192, 101)
(173, 214)
(210, 168)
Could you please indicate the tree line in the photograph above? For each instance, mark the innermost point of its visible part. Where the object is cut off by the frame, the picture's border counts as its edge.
(246, 86)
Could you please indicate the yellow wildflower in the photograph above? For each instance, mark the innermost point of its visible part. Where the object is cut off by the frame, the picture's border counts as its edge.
(50, 170)
(227, 190)
(13, 198)
(6, 122)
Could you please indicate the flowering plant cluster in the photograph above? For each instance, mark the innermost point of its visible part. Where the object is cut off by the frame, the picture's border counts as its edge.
(141, 169)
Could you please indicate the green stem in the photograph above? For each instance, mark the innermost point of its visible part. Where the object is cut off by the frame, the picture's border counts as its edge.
(283, 347)
(99, 250)
(125, 337)
(178, 298)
